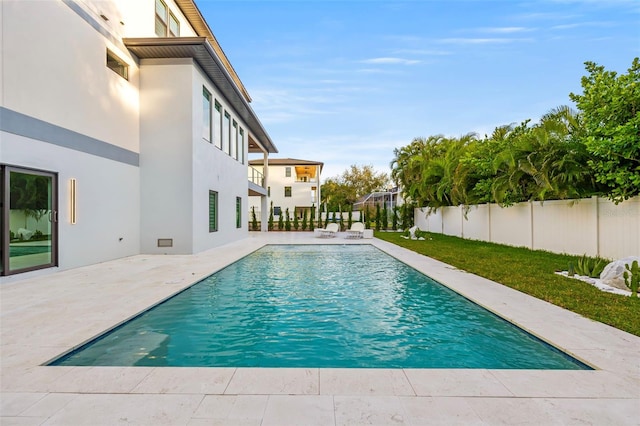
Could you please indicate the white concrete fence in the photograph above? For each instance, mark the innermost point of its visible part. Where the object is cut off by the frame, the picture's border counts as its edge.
(593, 226)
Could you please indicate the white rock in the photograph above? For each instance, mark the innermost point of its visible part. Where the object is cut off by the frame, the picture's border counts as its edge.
(612, 273)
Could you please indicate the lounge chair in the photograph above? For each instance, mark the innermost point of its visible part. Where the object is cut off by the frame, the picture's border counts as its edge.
(356, 230)
(329, 232)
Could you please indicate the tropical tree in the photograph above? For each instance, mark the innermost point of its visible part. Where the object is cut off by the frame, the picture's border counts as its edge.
(353, 183)
(610, 107)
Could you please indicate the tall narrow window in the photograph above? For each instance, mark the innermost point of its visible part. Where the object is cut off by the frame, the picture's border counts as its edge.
(241, 145)
(213, 211)
(287, 191)
(226, 132)
(238, 212)
(206, 115)
(117, 65)
(234, 140)
(174, 26)
(161, 18)
(287, 171)
(218, 123)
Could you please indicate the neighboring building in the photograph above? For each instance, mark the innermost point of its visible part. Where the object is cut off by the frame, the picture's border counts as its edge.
(293, 184)
(391, 197)
(124, 130)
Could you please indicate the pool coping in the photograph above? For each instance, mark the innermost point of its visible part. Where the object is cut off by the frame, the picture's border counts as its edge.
(47, 315)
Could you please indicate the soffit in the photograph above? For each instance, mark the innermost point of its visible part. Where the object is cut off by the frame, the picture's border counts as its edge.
(199, 49)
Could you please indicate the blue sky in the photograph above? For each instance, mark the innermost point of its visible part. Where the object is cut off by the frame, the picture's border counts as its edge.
(345, 82)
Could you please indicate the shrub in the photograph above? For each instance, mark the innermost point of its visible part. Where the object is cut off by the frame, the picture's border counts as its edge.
(287, 220)
(254, 219)
(632, 277)
(304, 220)
(590, 266)
(270, 222)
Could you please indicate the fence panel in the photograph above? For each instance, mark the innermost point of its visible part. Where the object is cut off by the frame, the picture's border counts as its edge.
(619, 228)
(592, 226)
(564, 227)
(511, 225)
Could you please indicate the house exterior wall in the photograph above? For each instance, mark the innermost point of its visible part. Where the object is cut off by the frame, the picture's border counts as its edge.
(278, 180)
(134, 146)
(60, 77)
(165, 168)
(137, 13)
(65, 112)
(215, 170)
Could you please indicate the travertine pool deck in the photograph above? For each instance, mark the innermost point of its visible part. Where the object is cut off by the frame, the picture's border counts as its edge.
(44, 316)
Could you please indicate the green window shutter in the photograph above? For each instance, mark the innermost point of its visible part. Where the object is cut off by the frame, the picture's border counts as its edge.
(238, 212)
(213, 211)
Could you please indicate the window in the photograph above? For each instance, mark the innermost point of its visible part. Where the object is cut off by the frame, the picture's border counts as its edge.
(161, 18)
(206, 115)
(213, 211)
(241, 145)
(287, 191)
(226, 132)
(174, 26)
(218, 123)
(287, 171)
(117, 65)
(238, 212)
(234, 140)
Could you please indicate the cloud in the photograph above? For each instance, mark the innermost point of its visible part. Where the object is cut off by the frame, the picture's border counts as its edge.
(506, 30)
(603, 24)
(423, 52)
(471, 40)
(281, 106)
(389, 60)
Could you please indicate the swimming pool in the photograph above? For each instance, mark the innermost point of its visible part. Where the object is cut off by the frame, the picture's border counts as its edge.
(320, 306)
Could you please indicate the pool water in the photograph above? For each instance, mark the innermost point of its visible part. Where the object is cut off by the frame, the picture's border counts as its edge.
(342, 306)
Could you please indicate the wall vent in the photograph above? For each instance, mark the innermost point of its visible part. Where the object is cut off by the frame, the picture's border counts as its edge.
(165, 242)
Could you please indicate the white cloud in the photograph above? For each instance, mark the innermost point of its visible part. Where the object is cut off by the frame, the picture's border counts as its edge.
(506, 30)
(423, 52)
(389, 60)
(471, 40)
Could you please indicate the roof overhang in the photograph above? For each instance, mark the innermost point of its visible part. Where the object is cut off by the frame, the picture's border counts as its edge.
(199, 24)
(200, 50)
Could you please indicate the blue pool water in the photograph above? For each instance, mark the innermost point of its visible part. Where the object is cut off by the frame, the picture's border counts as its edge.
(320, 306)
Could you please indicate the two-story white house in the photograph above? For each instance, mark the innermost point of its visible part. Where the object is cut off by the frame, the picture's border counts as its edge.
(293, 184)
(124, 129)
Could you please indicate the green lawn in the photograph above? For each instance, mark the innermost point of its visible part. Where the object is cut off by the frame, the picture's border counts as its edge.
(531, 272)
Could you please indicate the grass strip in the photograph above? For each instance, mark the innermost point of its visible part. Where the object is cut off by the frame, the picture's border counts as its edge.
(529, 271)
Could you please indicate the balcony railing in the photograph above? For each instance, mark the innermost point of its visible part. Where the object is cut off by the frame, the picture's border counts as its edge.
(256, 177)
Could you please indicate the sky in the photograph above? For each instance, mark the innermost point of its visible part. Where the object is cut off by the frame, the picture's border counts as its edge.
(346, 82)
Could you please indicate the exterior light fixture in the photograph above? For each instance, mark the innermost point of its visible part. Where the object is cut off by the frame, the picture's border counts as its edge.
(72, 201)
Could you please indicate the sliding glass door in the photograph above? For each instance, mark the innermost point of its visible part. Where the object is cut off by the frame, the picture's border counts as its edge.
(29, 220)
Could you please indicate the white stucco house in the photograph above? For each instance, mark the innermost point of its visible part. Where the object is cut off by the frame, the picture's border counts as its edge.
(293, 184)
(124, 130)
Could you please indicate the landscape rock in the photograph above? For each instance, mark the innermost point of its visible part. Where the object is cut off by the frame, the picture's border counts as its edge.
(612, 273)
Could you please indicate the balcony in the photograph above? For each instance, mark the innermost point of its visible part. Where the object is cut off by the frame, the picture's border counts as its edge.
(256, 182)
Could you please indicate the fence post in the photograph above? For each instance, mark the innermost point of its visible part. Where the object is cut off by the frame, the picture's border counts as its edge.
(597, 207)
(531, 221)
